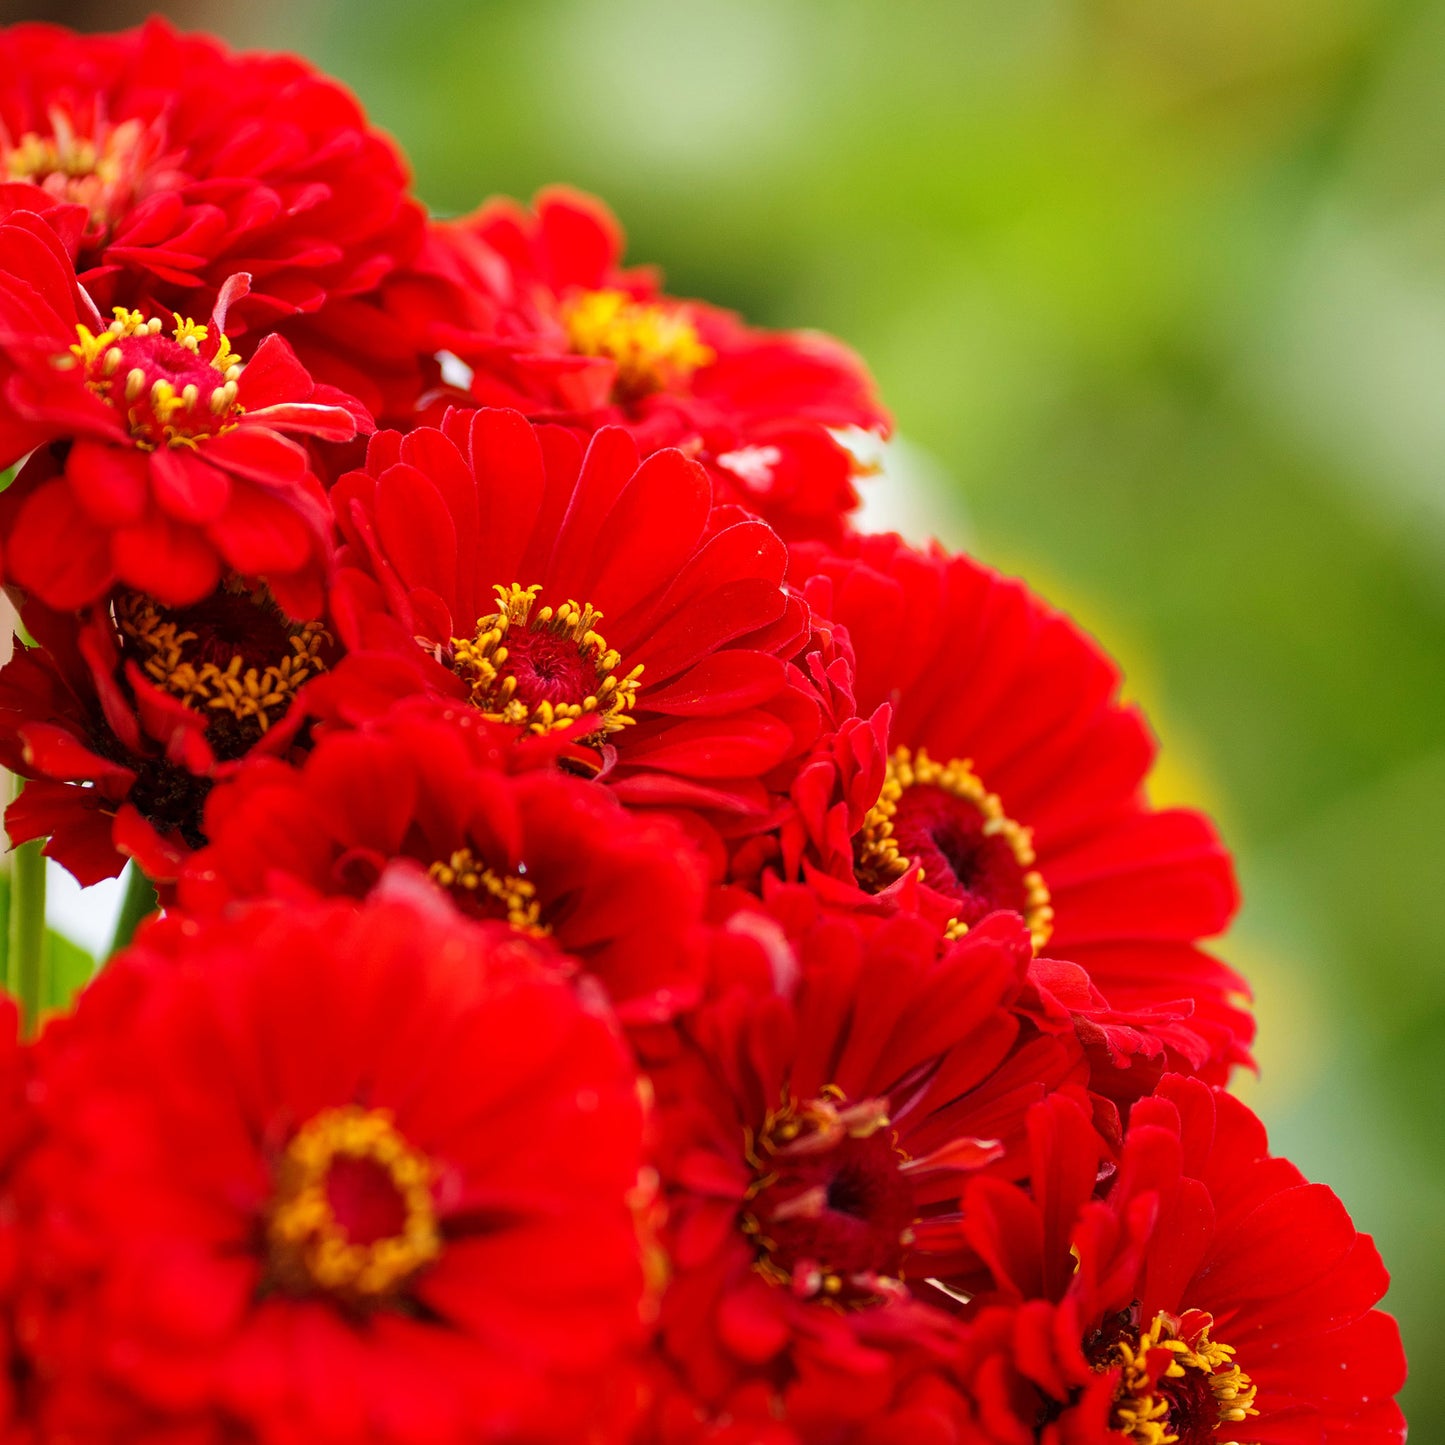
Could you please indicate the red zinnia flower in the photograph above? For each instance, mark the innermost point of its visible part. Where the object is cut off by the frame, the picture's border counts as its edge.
(121, 718)
(569, 336)
(587, 595)
(319, 1174)
(1014, 779)
(15, 1121)
(816, 1130)
(919, 1401)
(554, 856)
(1211, 1294)
(192, 163)
(169, 466)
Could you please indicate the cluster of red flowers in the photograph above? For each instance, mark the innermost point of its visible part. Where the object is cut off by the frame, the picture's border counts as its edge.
(640, 961)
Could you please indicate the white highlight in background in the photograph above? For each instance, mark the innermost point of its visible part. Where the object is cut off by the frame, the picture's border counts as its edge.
(84, 915)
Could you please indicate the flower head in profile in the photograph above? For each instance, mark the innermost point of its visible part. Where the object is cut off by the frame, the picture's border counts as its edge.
(320, 1173)
(594, 598)
(162, 459)
(999, 769)
(497, 829)
(563, 333)
(189, 162)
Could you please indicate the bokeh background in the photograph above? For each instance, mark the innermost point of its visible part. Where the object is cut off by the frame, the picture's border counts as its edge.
(1157, 294)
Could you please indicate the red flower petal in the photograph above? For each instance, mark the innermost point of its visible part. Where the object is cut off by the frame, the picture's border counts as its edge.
(166, 560)
(262, 533)
(187, 487)
(111, 483)
(57, 552)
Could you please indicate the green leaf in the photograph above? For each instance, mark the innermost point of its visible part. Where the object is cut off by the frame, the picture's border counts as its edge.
(69, 969)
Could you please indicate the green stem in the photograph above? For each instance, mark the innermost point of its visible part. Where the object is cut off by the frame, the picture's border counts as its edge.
(138, 904)
(27, 933)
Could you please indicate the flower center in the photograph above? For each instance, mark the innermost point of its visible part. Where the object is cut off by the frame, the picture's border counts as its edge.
(175, 389)
(654, 347)
(831, 1209)
(101, 173)
(484, 893)
(544, 669)
(352, 1215)
(168, 796)
(233, 656)
(940, 818)
(1175, 1383)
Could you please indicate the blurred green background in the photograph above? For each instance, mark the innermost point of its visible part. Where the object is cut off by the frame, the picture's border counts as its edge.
(1156, 289)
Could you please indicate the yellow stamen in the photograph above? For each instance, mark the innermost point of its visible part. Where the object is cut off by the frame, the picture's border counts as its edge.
(793, 1131)
(880, 860)
(310, 1248)
(1141, 1412)
(480, 661)
(259, 695)
(654, 347)
(156, 412)
(226, 361)
(190, 333)
(98, 172)
(517, 896)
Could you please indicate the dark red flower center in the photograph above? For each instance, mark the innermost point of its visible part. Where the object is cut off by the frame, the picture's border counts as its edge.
(100, 172)
(175, 389)
(171, 798)
(364, 1200)
(234, 657)
(352, 1215)
(544, 668)
(654, 347)
(831, 1209)
(940, 819)
(1175, 1383)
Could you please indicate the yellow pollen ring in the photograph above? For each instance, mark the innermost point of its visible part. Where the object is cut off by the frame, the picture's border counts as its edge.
(260, 695)
(813, 1127)
(310, 1248)
(1141, 1414)
(98, 172)
(149, 403)
(480, 661)
(654, 347)
(36, 156)
(880, 860)
(517, 896)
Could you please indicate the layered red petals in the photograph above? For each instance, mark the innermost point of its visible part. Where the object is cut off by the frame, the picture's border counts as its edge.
(156, 464)
(189, 163)
(461, 1116)
(1046, 801)
(554, 327)
(503, 836)
(120, 755)
(1198, 1240)
(819, 1120)
(690, 601)
(638, 962)
(15, 1136)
